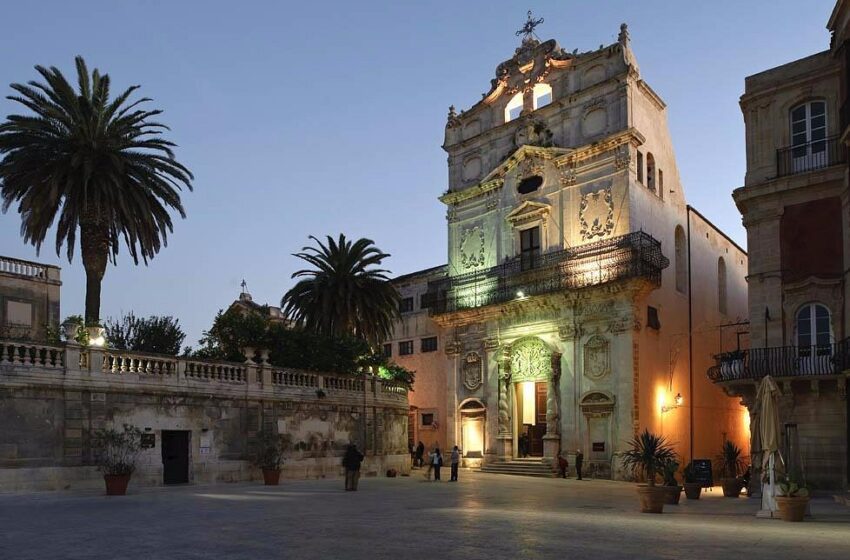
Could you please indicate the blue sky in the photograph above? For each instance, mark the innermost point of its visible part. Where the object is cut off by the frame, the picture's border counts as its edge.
(326, 117)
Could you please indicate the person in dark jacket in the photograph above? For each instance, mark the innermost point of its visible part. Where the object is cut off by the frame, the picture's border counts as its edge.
(563, 465)
(579, 461)
(351, 461)
(420, 454)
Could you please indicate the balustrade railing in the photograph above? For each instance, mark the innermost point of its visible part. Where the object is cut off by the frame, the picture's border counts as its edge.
(215, 371)
(294, 378)
(28, 354)
(22, 268)
(121, 362)
(781, 361)
(343, 383)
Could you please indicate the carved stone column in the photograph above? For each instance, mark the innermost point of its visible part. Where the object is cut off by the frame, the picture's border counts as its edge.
(505, 438)
(552, 439)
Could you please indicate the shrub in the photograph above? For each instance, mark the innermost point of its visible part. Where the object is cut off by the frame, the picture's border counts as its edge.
(116, 452)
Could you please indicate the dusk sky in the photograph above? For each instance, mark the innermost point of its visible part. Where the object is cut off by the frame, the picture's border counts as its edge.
(326, 117)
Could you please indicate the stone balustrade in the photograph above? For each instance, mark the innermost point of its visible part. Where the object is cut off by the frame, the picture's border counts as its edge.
(22, 268)
(123, 366)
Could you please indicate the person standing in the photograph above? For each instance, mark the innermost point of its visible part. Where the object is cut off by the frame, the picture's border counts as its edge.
(455, 463)
(563, 465)
(437, 463)
(579, 461)
(431, 458)
(420, 454)
(351, 461)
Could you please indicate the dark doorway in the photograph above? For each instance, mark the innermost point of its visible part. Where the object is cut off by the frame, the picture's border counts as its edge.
(538, 430)
(175, 456)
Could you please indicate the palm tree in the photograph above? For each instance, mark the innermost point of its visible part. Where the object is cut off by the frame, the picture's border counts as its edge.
(99, 165)
(343, 294)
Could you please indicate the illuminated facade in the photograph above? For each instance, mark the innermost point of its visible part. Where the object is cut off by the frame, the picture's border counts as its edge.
(581, 294)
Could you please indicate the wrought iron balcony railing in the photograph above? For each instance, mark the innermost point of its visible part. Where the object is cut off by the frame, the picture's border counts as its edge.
(635, 255)
(782, 361)
(810, 157)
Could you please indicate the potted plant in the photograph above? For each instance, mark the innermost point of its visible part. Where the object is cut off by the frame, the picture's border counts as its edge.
(647, 458)
(671, 485)
(115, 454)
(732, 465)
(792, 499)
(269, 457)
(692, 488)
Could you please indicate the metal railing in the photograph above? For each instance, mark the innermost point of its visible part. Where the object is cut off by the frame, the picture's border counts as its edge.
(633, 255)
(810, 157)
(782, 361)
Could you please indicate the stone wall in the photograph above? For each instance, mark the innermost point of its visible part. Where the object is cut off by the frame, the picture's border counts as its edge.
(52, 398)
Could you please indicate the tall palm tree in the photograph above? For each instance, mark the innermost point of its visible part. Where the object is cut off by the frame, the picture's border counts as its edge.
(344, 293)
(99, 165)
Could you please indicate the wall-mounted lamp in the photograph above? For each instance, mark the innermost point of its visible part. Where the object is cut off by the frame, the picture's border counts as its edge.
(678, 401)
(520, 294)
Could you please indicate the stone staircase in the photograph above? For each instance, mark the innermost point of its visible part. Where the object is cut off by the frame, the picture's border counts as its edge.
(530, 466)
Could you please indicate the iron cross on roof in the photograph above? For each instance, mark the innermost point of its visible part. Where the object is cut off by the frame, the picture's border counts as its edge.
(528, 29)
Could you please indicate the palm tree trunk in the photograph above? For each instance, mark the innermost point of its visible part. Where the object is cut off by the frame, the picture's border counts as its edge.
(94, 246)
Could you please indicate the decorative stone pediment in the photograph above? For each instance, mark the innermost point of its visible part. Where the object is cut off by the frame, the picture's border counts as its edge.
(528, 211)
(597, 403)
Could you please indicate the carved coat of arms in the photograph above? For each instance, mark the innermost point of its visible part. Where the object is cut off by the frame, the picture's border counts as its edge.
(596, 214)
(473, 375)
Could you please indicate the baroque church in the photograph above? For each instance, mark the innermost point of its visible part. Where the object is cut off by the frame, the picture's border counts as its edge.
(582, 299)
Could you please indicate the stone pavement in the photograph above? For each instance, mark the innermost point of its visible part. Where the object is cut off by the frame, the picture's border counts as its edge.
(484, 516)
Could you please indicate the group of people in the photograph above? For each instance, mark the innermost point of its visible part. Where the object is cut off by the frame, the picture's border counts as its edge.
(564, 465)
(435, 461)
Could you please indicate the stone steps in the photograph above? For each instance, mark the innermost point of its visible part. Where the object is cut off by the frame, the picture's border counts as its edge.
(843, 499)
(519, 467)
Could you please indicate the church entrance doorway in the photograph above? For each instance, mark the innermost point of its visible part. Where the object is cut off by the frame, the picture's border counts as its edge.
(531, 416)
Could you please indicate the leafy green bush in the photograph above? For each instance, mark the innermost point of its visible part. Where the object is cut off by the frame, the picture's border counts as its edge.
(116, 452)
(154, 334)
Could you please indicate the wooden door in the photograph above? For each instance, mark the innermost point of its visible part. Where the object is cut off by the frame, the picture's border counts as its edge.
(538, 430)
(175, 456)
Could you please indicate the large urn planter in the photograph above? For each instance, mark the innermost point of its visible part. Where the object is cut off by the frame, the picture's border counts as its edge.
(731, 487)
(652, 498)
(271, 477)
(116, 484)
(693, 490)
(672, 494)
(792, 508)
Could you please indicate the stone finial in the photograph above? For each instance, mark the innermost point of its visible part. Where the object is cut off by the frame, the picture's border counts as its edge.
(623, 37)
(452, 112)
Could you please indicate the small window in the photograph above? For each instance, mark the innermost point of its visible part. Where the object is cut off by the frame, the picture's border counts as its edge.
(529, 184)
(429, 344)
(405, 348)
(529, 242)
(681, 260)
(660, 183)
(652, 320)
(514, 108)
(542, 95)
(640, 167)
(721, 285)
(427, 419)
(405, 305)
(813, 326)
(388, 350)
(650, 171)
(18, 313)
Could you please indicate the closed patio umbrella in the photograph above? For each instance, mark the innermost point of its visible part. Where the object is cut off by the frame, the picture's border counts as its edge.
(768, 433)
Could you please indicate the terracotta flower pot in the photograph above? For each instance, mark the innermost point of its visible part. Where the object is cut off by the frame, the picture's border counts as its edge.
(672, 495)
(731, 487)
(693, 490)
(651, 498)
(271, 477)
(116, 484)
(792, 508)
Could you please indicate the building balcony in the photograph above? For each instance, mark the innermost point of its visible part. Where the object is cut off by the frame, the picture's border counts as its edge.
(782, 361)
(810, 157)
(635, 255)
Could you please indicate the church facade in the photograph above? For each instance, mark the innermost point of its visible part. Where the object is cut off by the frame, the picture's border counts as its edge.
(582, 299)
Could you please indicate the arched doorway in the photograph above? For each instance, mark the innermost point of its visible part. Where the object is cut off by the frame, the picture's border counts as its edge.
(535, 408)
(473, 415)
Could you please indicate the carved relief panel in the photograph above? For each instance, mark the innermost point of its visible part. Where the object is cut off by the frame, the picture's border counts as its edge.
(472, 371)
(472, 248)
(596, 214)
(597, 358)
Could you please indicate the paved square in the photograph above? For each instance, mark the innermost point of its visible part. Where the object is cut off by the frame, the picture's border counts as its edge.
(483, 516)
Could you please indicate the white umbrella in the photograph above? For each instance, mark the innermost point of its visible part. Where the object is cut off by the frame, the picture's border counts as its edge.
(768, 431)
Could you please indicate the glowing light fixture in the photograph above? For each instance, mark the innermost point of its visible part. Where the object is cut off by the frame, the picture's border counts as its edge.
(520, 294)
(678, 401)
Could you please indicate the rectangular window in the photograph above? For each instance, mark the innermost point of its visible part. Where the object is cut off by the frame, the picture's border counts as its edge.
(427, 419)
(652, 320)
(388, 350)
(529, 242)
(18, 313)
(640, 167)
(429, 344)
(405, 348)
(405, 305)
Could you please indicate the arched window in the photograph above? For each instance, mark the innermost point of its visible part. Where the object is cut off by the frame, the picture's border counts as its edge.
(542, 95)
(513, 108)
(813, 326)
(808, 136)
(650, 171)
(681, 261)
(721, 285)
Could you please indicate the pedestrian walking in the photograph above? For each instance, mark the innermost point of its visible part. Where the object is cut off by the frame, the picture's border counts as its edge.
(437, 463)
(351, 461)
(455, 463)
(420, 454)
(579, 461)
(563, 465)
(431, 457)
